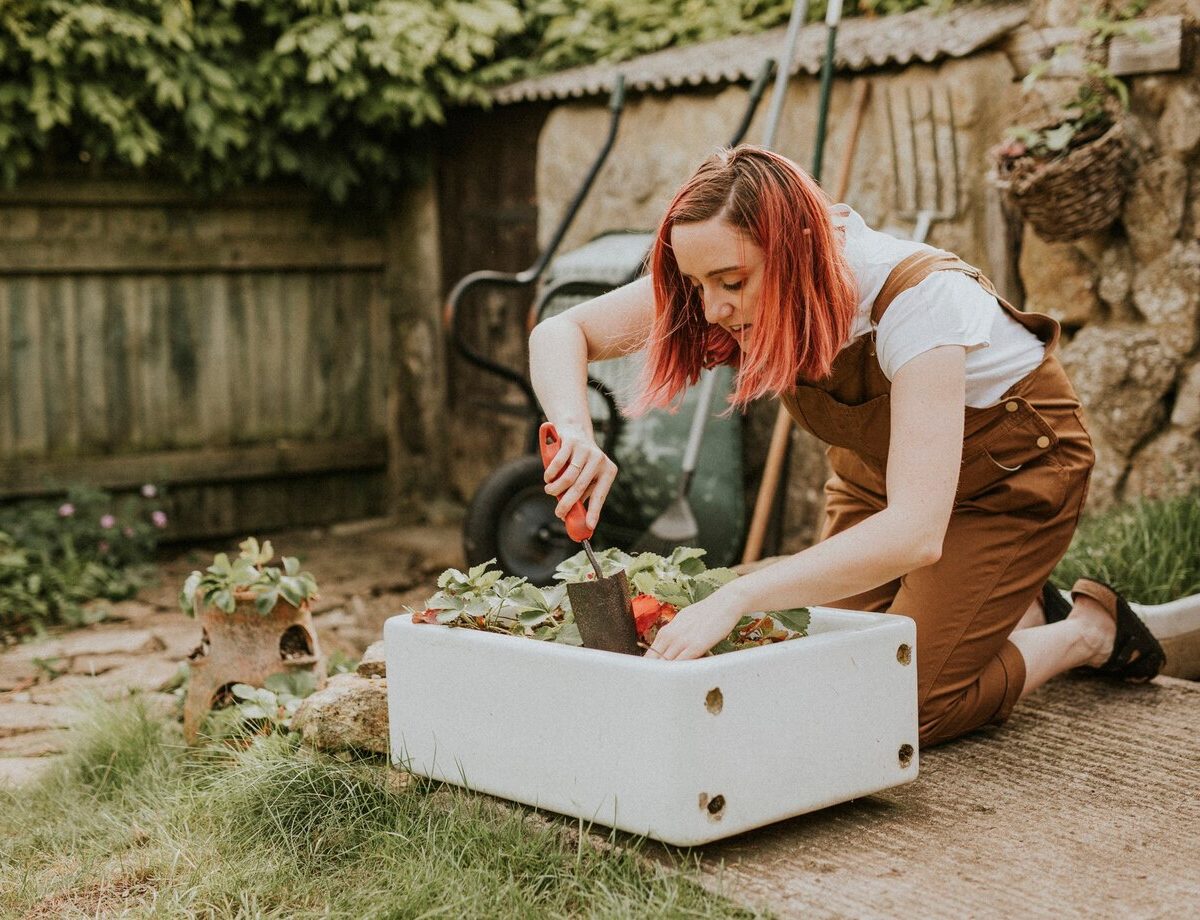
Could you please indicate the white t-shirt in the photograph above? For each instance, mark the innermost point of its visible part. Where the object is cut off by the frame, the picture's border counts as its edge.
(946, 308)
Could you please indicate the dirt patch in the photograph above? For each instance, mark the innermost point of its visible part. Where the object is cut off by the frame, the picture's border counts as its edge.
(100, 900)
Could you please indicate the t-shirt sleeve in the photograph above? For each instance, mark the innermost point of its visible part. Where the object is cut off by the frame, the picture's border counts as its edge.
(947, 308)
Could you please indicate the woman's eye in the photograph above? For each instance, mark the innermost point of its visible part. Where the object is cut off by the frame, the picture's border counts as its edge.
(733, 286)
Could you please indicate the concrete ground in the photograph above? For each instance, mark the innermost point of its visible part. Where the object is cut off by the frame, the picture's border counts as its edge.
(1086, 804)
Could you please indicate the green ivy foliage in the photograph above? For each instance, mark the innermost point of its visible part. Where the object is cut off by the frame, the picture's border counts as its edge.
(335, 93)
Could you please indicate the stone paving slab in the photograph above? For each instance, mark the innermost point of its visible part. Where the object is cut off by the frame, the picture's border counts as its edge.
(1086, 804)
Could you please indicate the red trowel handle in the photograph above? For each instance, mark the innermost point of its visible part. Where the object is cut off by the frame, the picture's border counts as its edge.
(577, 528)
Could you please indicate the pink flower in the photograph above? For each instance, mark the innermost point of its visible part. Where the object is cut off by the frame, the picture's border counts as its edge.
(149, 491)
(104, 546)
(159, 518)
(128, 531)
(108, 522)
(66, 509)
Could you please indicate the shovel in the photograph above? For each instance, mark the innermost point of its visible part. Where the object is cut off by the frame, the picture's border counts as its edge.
(603, 609)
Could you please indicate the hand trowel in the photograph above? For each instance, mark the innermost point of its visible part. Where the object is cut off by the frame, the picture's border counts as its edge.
(603, 610)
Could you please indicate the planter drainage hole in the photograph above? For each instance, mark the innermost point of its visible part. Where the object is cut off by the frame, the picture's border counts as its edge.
(906, 754)
(715, 806)
(904, 654)
(714, 701)
(295, 643)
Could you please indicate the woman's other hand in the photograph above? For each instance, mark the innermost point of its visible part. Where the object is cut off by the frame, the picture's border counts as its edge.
(695, 629)
(579, 471)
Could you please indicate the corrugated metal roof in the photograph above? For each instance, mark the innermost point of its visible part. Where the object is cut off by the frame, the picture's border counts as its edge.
(863, 43)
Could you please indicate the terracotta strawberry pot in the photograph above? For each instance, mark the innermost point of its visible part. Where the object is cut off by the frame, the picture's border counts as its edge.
(247, 647)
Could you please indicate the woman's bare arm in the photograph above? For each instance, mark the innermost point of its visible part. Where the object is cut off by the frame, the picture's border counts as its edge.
(922, 476)
(614, 324)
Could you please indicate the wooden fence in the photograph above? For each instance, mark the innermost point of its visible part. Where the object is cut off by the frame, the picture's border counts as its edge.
(239, 352)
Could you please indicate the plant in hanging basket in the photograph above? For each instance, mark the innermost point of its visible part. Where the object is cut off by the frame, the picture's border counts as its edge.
(660, 586)
(1066, 173)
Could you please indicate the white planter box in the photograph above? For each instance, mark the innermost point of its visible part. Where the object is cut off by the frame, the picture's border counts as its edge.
(682, 751)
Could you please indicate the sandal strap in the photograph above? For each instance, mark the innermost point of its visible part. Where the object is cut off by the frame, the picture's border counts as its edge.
(1132, 638)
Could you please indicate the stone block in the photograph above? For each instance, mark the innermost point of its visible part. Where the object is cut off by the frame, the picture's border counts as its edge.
(1167, 467)
(147, 674)
(1179, 127)
(34, 744)
(1167, 292)
(1154, 207)
(372, 663)
(17, 718)
(23, 771)
(350, 713)
(1115, 282)
(1059, 280)
(1107, 474)
(1186, 414)
(1121, 374)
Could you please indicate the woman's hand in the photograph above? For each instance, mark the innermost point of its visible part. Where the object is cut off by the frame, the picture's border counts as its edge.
(696, 628)
(580, 470)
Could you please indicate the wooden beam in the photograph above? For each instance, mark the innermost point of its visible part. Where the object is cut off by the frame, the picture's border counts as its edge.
(1155, 45)
(27, 478)
(184, 254)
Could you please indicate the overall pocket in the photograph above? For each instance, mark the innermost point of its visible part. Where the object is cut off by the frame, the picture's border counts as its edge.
(1010, 464)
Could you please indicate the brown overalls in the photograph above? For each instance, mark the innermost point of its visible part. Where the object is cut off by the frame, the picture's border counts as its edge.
(1025, 468)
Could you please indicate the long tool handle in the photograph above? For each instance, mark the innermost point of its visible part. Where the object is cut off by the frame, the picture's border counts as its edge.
(576, 521)
(691, 453)
(784, 73)
(780, 435)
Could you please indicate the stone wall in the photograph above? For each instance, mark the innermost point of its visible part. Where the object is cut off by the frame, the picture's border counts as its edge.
(1128, 299)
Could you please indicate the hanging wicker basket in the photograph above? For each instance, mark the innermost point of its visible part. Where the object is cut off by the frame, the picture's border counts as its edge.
(1069, 196)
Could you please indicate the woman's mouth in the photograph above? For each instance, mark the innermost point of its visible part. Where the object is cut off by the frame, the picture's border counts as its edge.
(739, 329)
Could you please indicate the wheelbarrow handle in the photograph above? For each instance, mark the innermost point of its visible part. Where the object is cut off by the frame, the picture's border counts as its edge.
(576, 521)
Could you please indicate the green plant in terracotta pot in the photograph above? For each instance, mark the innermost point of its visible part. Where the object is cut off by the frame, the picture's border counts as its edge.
(256, 623)
(248, 576)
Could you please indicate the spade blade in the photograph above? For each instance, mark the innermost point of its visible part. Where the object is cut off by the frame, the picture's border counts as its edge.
(604, 614)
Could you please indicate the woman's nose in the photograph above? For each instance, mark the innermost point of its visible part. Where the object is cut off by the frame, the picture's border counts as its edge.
(716, 308)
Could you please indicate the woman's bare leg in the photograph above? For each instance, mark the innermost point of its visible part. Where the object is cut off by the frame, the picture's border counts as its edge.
(1034, 616)
(1085, 637)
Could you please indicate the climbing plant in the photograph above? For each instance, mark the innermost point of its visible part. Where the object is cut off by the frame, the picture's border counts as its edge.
(335, 93)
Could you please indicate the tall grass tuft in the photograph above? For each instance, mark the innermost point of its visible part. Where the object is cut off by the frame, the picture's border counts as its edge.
(1148, 550)
(136, 824)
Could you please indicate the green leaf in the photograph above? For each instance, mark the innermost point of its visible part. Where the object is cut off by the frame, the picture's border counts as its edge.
(795, 619)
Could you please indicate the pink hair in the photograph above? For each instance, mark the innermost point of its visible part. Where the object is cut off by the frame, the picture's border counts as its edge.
(807, 297)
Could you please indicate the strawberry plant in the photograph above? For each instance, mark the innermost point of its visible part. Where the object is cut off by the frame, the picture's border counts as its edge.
(482, 598)
(248, 573)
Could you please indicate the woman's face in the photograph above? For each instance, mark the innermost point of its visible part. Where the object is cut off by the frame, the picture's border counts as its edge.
(725, 266)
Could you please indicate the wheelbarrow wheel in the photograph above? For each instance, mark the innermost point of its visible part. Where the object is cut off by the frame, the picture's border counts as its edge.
(511, 519)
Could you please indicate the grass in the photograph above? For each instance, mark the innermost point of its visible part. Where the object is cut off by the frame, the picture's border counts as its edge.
(1148, 550)
(135, 824)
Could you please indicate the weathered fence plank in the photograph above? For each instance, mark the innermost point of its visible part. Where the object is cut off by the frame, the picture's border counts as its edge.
(237, 352)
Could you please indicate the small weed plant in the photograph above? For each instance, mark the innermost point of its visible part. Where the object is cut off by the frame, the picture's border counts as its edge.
(57, 557)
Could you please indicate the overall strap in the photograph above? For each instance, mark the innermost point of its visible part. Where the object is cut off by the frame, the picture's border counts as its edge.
(911, 271)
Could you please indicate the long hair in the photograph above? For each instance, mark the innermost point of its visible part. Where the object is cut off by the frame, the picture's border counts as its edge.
(807, 297)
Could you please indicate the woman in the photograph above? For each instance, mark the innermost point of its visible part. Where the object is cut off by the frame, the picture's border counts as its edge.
(960, 461)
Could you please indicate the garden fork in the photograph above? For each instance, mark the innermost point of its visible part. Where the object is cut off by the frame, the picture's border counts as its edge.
(928, 187)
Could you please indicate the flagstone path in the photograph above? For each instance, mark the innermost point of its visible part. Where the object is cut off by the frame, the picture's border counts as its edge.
(366, 571)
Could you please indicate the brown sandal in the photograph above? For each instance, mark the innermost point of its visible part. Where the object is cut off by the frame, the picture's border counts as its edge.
(1136, 654)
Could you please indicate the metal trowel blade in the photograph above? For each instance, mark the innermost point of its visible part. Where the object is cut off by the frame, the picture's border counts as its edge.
(604, 614)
